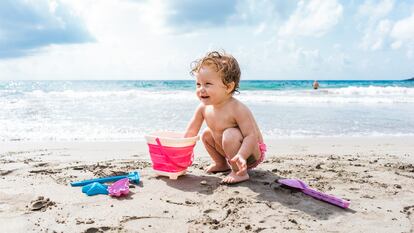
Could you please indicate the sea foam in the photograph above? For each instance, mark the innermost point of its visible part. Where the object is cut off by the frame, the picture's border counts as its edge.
(124, 111)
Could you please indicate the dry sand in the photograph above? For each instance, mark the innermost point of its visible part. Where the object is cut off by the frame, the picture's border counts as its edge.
(375, 174)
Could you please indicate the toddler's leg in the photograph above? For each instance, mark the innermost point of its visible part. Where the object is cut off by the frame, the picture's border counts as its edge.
(219, 161)
(232, 140)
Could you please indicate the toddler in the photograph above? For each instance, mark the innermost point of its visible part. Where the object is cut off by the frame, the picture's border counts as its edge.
(232, 137)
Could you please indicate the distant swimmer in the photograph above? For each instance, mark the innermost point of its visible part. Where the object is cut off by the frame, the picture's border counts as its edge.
(315, 85)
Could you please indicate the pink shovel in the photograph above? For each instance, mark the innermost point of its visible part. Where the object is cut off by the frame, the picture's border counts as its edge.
(120, 187)
(295, 183)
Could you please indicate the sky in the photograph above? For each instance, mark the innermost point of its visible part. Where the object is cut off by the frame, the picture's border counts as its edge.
(158, 39)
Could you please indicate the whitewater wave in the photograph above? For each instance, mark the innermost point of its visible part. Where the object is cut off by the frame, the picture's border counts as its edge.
(365, 95)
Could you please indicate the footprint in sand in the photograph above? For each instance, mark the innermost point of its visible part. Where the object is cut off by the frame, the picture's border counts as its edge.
(98, 229)
(5, 172)
(409, 210)
(41, 204)
(84, 221)
(42, 164)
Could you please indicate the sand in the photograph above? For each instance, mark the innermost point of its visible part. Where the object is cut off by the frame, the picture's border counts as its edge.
(375, 174)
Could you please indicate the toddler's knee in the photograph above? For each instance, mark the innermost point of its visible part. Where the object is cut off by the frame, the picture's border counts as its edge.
(206, 136)
(231, 136)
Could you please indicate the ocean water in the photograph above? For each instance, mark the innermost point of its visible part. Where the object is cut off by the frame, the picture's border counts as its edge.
(127, 110)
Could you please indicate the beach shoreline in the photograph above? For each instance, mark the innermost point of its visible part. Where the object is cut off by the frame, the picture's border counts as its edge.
(375, 173)
(393, 145)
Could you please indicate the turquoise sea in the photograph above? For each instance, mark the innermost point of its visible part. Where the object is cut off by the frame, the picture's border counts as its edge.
(127, 110)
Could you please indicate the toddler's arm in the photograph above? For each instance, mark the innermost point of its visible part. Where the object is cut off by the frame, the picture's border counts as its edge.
(195, 123)
(248, 127)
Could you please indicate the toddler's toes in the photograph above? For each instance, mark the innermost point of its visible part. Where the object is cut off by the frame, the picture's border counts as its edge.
(232, 178)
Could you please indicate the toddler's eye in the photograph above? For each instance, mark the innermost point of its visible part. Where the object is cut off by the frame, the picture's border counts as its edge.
(209, 84)
(198, 84)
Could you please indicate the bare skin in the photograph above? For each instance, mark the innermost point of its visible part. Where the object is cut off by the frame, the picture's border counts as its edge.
(232, 134)
(216, 153)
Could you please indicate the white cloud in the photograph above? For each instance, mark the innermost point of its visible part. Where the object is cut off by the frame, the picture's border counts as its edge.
(381, 32)
(372, 17)
(259, 29)
(403, 29)
(253, 11)
(403, 35)
(375, 39)
(313, 18)
(375, 11)
(396, 44)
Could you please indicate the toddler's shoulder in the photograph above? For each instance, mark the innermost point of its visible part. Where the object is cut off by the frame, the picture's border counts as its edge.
(239, 107)
(201, 106)
(201, 109)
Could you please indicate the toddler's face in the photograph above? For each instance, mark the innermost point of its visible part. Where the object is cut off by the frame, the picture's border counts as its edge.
(210, 88)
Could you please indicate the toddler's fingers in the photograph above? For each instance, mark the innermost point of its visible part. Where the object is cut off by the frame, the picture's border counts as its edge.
(234, 159)
(241, 164)
(242, 168)
(241, 172)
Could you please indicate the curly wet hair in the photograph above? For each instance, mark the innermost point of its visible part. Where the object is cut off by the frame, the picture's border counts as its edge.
(223, 63)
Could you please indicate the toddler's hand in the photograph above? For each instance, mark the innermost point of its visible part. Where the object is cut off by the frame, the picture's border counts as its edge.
(241, 164)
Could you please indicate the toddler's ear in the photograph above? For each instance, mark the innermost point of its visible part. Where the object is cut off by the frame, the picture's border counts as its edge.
(230, 87)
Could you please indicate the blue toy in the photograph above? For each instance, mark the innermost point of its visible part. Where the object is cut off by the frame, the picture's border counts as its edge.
(95, 188)
(132, 176)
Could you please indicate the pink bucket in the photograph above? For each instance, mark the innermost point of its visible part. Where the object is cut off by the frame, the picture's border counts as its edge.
(171, 152)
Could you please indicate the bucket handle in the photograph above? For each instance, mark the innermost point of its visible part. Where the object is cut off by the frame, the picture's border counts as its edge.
(168, 157)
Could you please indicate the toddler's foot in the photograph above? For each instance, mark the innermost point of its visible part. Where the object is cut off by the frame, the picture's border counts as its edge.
(214, 168)
(232, 178)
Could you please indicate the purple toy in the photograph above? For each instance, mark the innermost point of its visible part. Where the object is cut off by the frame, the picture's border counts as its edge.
(120, 187)
(295, 183)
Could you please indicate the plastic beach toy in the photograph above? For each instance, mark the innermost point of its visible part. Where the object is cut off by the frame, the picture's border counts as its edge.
(132, 176)
(121, 187)
(95, 188)
(171, 153)
(171, 139)
(296, 183)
